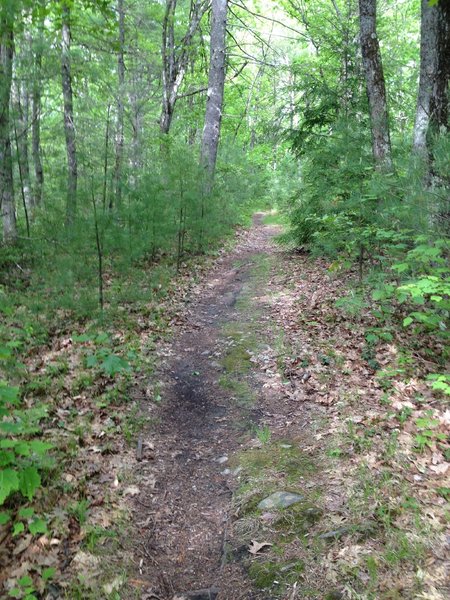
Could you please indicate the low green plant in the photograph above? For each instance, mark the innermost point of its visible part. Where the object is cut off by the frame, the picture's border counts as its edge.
(427, 433)
(263, 434)
(80, 510)
(21, 456)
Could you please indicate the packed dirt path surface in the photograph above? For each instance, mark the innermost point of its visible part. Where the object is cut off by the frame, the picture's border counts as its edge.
(274, 435)
(185, 515)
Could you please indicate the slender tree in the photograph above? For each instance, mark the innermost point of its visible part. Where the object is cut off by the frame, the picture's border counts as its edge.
(69, 123)
(376, 89)
(175, 57)
(8, 210)
(120, 106)
(36, 104)
(21, 127)
(432, 97)
(216, 85)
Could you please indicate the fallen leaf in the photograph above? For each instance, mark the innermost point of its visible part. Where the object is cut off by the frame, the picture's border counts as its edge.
(131, 490)
(256, 547)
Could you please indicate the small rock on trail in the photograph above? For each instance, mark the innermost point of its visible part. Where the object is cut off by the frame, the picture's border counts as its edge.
(280, 500)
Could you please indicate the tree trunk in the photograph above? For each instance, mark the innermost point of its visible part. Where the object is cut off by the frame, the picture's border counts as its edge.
(136, 135)
(216, 85)
(168, 66)
(7, 205)
(21, 114)
(120, 107)
(376, 90)
(36, 120)
(175, 64)
(428, 66)
(69, 124)
(440, 97)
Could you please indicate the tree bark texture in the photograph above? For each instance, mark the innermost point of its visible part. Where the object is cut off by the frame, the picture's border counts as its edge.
(69, 123)
(120, 106)
(440, 97)
(21, 115)
(175, 62)
(7, 205)
(428, 67)
(216, 86)
(376, 89)
(36, 119)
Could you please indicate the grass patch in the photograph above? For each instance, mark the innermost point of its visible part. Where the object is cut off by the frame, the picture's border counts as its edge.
(276, 218)
(275, 575)
(273, 460)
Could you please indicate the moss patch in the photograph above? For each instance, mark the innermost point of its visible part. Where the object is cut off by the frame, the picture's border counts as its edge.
(275, 575)
(290, 463)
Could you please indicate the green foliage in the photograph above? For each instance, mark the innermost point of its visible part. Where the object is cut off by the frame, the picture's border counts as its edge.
(440, 382)
(20, 455)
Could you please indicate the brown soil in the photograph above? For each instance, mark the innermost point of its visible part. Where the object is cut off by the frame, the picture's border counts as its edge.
(305, 377)
(184, 522)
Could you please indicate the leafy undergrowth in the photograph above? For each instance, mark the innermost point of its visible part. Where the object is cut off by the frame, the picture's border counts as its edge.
(71, 397)
(371, 463)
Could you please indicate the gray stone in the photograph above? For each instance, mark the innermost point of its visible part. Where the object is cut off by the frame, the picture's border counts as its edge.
(336, 533)
(280, 500)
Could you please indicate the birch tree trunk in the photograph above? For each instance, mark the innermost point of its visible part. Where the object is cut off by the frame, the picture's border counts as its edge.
(175, 63)
(69, 124)
(36, 118)
(376, 89)
(428, 67)
(7, 205)
(21, 114)
(120, 107)
(216, 85)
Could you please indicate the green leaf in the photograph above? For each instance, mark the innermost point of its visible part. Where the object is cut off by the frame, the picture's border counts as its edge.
(407, 321)
(29, 481)
(4, 518)
(25, 581)
(18, 528)
(426, 423)
(91, 361)
(48, 573)
(401, 267)
(102, 338)
(11, 427)
(26, 512)
(8, 443)
(5, 353)
(38, 526)
(114, 364)
(84, 337)
(8, 394)
(40, 448)
(9, 482)
(7, 458)
(23, 448)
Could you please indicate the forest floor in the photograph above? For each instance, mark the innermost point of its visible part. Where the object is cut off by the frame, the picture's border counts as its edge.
(273, 450)
(267, 390)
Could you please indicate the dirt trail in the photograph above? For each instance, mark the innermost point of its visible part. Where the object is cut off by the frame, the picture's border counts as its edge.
(268, 391)
(186, 510)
